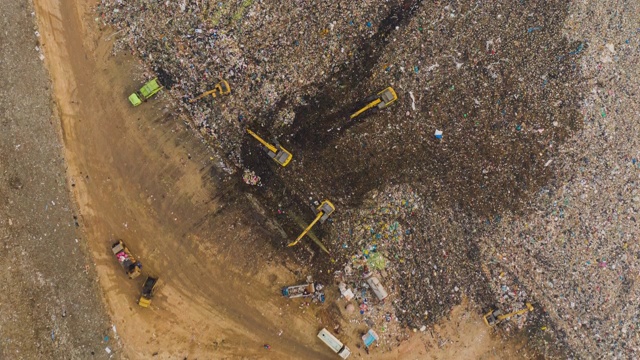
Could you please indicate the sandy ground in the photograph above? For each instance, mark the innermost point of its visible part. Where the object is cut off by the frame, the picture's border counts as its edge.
(140, 175)
(50, 305)
(132, 176)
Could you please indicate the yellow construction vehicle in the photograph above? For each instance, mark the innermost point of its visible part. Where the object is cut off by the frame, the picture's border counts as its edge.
(494, 317)
(147, 291)
(221, 88)
(276, 152)
(381, 100)
(323, 211)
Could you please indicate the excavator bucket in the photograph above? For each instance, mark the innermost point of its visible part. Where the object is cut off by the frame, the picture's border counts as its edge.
(224, 87)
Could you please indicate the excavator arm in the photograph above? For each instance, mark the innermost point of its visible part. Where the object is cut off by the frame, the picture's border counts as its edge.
(221, 88)
(370, 105)
(204, 94)
(519, 312)
(323, 212)
(320, 214)
(492, 318)
(266, 144)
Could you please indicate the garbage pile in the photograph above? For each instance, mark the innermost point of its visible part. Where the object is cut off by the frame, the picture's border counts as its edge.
(507, 170)
(501, 99)
(576, 250)
(426, 264)
(271, 52)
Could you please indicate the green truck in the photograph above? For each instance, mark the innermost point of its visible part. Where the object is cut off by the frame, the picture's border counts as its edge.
(145, 93)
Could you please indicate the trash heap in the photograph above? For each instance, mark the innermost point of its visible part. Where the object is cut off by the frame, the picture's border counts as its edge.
(407, 242)
(503, 98)
(515, 133)
(577, 250)
(271, 61)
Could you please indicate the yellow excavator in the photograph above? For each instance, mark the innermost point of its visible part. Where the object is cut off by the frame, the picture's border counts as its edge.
(380, 100)
(323, 211)
(276, 152)
(221, 88)
(494, 317)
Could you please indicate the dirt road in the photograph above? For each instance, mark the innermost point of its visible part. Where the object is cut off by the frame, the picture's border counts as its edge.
(50, 306)
(139, 174)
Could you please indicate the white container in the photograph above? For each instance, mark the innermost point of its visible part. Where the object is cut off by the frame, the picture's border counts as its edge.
(377, 288)
(335, 344)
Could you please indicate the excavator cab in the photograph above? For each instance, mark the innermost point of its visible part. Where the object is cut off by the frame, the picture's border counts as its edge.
(323, 211)
(276, 152)
(491, 318)
(147, 291)
(221, 88)
(380, 101)
(326, 208)
(494, 317)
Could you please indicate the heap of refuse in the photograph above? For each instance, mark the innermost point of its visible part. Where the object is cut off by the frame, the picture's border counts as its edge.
(507, 170)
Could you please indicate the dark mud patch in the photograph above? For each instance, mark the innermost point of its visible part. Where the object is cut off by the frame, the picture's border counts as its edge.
(504, 112)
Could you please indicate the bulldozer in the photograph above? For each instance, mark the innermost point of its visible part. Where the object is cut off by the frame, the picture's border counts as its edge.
(221, 88)
(378, 101)
(147, 291)
(494, 317)
(323, 211)
(276, 152)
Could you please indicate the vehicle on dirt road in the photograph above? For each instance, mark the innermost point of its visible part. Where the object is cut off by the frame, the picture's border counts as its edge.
(147, 291)
(126, 259)
(146, 92)
(336, 345)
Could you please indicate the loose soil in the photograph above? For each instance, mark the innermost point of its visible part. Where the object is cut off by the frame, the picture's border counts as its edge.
(50, 304)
